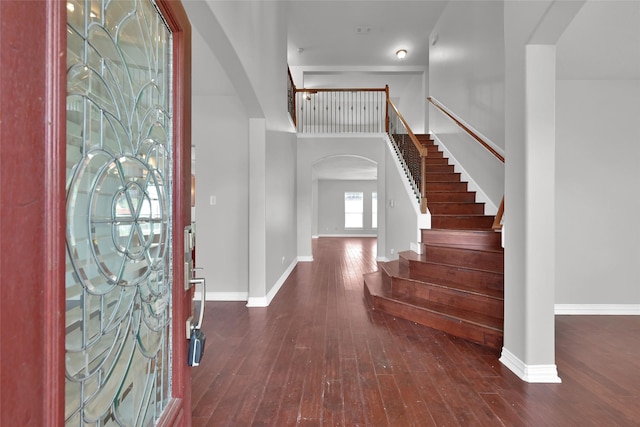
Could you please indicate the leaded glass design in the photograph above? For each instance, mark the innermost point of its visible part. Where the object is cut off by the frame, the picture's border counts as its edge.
(119, 163)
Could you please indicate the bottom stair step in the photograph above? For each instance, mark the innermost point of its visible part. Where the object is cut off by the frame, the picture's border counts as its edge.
(475, 327)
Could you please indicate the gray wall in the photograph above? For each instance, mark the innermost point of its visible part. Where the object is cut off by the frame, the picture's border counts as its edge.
(401, 210)
(245, 149)
(331, 207)
(466, 75)
(222, 235)
(597, 157)
(597, 201)
(280, 204)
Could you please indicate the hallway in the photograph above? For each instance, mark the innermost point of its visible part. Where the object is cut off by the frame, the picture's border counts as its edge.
(317, 356)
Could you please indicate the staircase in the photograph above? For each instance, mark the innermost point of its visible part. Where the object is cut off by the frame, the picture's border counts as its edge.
(456, 284)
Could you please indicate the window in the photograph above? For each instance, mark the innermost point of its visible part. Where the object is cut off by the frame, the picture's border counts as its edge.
(353, 209)
(374, 210)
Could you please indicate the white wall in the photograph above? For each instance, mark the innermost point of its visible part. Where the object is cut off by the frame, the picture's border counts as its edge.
(219, 130)
(466, 66)
(331, 206)
(597, 199)
(412, 101)
(281, 232)
(597, 154)
(247, 241)
(466, 75)
(257, 30)
(401, 211)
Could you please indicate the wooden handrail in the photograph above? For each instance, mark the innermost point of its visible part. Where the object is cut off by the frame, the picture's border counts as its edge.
(366, 89)
(466, 129)
(422, 150)
(497, 222)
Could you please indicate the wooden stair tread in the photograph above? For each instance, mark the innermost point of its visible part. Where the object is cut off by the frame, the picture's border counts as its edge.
(446, 284)
(460, 233)
(458, 203)
(465, 246)
(373, 283)
(479, 259)
(392, 268)
(472, 249)
(463, 215)
(478, 248)
(374, 286)
(466, 316)
(486, 238)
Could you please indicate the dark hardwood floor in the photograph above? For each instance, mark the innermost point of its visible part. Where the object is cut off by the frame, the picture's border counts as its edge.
(318, 356)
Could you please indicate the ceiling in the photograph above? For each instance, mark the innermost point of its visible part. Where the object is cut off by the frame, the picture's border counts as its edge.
(360, 33)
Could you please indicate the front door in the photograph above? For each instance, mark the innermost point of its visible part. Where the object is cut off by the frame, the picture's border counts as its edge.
(93, 304)
(120, 214)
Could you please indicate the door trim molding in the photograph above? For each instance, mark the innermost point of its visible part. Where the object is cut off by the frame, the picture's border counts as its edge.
(54, 211)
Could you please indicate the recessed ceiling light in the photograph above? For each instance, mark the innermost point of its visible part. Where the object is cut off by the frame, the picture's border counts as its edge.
(401, 54)
(364, 30)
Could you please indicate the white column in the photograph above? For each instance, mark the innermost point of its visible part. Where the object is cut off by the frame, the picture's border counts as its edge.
(257, 213)
(537, 362)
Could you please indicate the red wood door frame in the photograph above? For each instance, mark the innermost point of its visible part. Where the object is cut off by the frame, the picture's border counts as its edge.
(32, 222)
(179, 411)
(32, 210)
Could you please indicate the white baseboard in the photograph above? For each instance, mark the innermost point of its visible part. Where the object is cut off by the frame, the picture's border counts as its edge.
(529, 373)
(382, 259)
(222, 296)
(305, 258)
(244, 296)
(266, 300)
(598, 309)
(416, 247)
(257, 302)
(348, 235)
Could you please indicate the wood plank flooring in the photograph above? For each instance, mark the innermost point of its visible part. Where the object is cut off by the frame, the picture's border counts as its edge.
(318, 357)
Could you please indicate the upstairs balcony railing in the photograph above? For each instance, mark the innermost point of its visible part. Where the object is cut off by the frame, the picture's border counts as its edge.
(340, 110)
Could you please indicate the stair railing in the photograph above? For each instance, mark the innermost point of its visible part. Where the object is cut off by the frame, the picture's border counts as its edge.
(291, 97)
(497, 223)
(410, 152)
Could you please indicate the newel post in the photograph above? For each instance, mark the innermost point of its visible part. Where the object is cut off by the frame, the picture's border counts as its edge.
(386, 110)
(423, 181)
